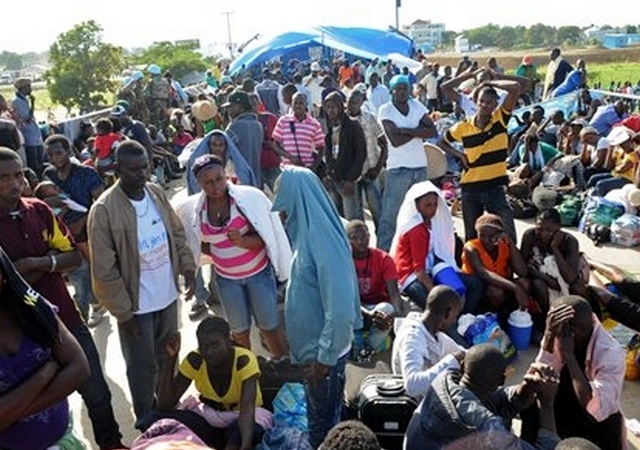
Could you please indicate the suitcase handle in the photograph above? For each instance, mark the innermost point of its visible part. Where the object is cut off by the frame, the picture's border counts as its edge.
(390, 388)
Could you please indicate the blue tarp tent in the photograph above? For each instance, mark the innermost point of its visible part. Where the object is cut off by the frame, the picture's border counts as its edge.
(320, 42)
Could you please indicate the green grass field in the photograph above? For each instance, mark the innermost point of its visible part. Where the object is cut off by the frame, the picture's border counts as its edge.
(606, 73)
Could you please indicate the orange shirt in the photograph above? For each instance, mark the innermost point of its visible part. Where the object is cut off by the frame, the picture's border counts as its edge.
(501, 265)
(344, 74)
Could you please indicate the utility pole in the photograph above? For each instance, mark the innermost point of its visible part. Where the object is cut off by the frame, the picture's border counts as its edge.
(398, 4)
(230, 44)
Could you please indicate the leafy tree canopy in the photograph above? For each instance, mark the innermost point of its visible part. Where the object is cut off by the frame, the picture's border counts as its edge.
(178, 59)
(84, 69)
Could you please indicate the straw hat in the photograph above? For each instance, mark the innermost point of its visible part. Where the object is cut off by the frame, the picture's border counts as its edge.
(436, 161)
(204, 110)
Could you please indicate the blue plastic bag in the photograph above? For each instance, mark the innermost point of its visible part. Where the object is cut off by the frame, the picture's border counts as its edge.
(290, 407)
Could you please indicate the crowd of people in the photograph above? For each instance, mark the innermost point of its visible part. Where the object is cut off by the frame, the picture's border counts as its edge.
(279, 176)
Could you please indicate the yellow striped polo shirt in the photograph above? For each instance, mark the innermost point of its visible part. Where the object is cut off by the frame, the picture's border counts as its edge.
(486, 150)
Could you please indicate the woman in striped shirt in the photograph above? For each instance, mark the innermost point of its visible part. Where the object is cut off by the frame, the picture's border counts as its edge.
(247, 247)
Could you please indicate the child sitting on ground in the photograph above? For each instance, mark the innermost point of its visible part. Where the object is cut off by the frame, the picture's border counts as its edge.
(378, 287)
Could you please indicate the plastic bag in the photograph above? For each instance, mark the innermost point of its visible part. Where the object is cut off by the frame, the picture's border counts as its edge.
(485, 329)
(290, 407)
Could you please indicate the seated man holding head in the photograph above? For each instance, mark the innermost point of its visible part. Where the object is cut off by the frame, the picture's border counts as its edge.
(471, 405)
(591, 366)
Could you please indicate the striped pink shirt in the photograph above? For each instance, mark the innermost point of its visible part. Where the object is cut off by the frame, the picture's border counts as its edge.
(308, 135)
(229, 260)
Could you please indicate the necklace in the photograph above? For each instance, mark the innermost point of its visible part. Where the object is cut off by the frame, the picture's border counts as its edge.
(146, 207)
(219, 214)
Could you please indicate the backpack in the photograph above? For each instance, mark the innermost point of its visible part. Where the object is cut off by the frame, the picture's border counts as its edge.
(522, 208)
(569, 209)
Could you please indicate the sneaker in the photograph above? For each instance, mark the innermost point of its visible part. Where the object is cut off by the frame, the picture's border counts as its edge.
(95, 316)
(198, 310)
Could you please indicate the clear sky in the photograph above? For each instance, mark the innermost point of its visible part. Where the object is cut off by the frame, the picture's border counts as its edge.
(138, 23)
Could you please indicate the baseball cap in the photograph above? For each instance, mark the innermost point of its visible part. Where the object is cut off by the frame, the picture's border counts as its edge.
(315, 67)
(238, 98)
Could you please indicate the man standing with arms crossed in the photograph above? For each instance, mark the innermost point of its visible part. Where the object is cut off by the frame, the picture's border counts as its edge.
(42, 250)
(406, 123)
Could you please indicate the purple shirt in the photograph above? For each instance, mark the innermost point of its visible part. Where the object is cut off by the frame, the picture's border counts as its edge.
(42, 429)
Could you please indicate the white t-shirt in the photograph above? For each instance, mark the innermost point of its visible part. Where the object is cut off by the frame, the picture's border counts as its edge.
(410, 154)
(469, 107)
(157, 286)
(602, 144)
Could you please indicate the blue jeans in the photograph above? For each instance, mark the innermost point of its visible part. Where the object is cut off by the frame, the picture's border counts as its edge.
(96, 395)
(398, 181)
(371, 192)
(80, 278)
(604, 182)
(350, 204)
(324, 402)
(145, 357)
(493, 200)
(202, 291)
(252, 296)
(417, 293)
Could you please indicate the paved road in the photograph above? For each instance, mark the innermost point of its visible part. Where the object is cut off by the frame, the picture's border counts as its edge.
(107, 341)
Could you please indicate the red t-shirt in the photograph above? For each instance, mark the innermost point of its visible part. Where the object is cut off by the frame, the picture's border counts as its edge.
(373, 273)
(104, 144)
(412, 250)
(268, 157)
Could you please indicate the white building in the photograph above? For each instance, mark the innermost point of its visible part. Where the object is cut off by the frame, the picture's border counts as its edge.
(425, 33)
(462, 44)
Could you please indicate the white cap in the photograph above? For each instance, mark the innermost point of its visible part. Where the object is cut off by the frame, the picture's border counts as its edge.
(618, 135)
(315, 67)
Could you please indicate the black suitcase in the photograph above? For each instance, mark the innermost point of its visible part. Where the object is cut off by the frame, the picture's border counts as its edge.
(385, 407)
(273, 375)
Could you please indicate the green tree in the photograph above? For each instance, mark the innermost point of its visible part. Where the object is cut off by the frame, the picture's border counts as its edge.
(448, 39)
(11, 61)
(84, 68)
(539, 35)
(486, 35)
(631, 29)
(178, 59)
(570, 35)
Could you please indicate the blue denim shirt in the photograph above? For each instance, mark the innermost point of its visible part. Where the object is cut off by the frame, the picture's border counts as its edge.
(26, 121)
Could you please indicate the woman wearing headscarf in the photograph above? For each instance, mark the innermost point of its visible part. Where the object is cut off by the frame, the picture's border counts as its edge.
(322, 306)
(217, 142)
(237, 169)
(424, 245)
(41, 363)
(233, 228)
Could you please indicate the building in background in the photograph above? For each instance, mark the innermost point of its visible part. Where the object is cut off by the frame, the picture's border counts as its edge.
(425, 34)
(462, 44)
